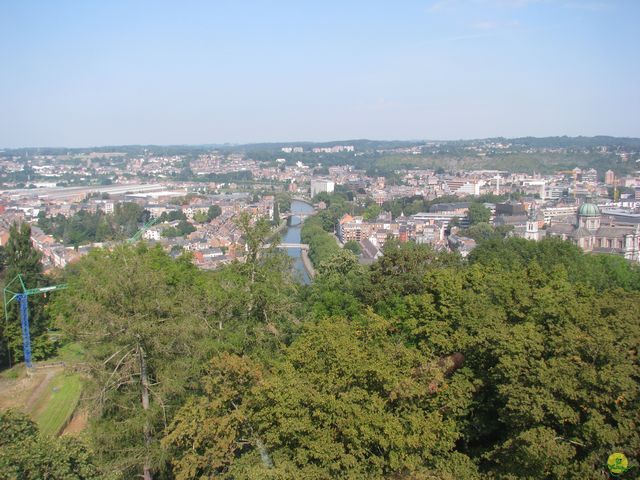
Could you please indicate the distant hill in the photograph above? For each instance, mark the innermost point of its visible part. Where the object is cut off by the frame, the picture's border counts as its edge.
(359, 144)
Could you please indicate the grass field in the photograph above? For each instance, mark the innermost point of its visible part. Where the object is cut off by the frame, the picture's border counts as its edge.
(70, 353)
(48, 394)
(55, 408)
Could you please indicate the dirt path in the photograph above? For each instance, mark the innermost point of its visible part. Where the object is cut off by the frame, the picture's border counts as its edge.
(14, 392)
(39, 391)
(10, 392)
(24, 392)
(77, 424)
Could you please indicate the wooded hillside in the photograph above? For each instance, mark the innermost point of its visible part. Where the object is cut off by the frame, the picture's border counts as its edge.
(520, 362)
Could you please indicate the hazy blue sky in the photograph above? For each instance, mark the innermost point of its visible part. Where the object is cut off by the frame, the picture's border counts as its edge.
(82, 73)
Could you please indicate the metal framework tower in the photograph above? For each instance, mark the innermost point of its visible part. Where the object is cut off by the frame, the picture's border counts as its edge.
(22, 298)
(144, 228)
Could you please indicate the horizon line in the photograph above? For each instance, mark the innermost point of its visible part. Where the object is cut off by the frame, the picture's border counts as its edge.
(309, 142)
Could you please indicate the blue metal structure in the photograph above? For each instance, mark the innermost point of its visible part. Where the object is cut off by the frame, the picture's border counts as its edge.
(22, 299)
(24, 320)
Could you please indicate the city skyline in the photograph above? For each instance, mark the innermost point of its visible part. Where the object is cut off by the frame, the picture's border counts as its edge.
(153, 73)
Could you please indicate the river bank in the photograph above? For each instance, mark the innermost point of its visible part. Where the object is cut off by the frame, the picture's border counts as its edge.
(307, 263)
(322, 244)
(278, 230)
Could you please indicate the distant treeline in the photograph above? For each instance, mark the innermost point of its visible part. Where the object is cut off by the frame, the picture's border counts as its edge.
(360, 145)
(229, 177)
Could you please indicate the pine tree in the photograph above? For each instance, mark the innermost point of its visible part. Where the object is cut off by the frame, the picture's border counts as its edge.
(140, 321)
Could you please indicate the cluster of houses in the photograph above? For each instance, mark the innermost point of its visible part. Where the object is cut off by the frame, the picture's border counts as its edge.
(552, 205)
(213, 242)
(605, 229)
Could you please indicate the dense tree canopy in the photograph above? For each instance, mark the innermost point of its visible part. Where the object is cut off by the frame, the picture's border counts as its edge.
(25, 455)
(182, 228)
(149, 324)
(139, 316)
(483, 231)
(519, 362)
(321, 244)
(478, 213)
(214, 211)
(533, 380)
(371, 213)
(172, 216)
(353, 247)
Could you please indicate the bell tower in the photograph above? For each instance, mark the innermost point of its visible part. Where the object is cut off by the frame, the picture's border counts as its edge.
(531, 232)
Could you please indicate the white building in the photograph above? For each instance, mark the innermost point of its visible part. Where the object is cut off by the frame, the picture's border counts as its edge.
(151, 234)
(107, 206)
(470, 188)
(535, 186)
(318, 186)
(552, 213)
(442, 218)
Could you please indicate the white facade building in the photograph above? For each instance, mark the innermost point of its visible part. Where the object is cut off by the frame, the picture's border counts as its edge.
(151, 234)
(318, 186)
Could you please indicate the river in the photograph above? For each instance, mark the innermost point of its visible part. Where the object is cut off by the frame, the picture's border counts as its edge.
(292, 235)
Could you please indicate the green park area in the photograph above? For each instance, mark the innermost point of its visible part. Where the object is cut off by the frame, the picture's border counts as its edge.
(57, 404)
(49, 395)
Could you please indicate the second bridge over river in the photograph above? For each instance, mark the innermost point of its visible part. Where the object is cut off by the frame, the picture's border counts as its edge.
(302, 246)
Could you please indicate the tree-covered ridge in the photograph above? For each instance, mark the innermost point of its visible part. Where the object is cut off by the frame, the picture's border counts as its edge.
(359, 144)
(520, 362)
(378, 158)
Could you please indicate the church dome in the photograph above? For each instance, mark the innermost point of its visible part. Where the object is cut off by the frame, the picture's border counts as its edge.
(588, 210)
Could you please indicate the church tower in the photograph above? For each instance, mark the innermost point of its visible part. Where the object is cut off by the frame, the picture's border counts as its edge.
(531, 232)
